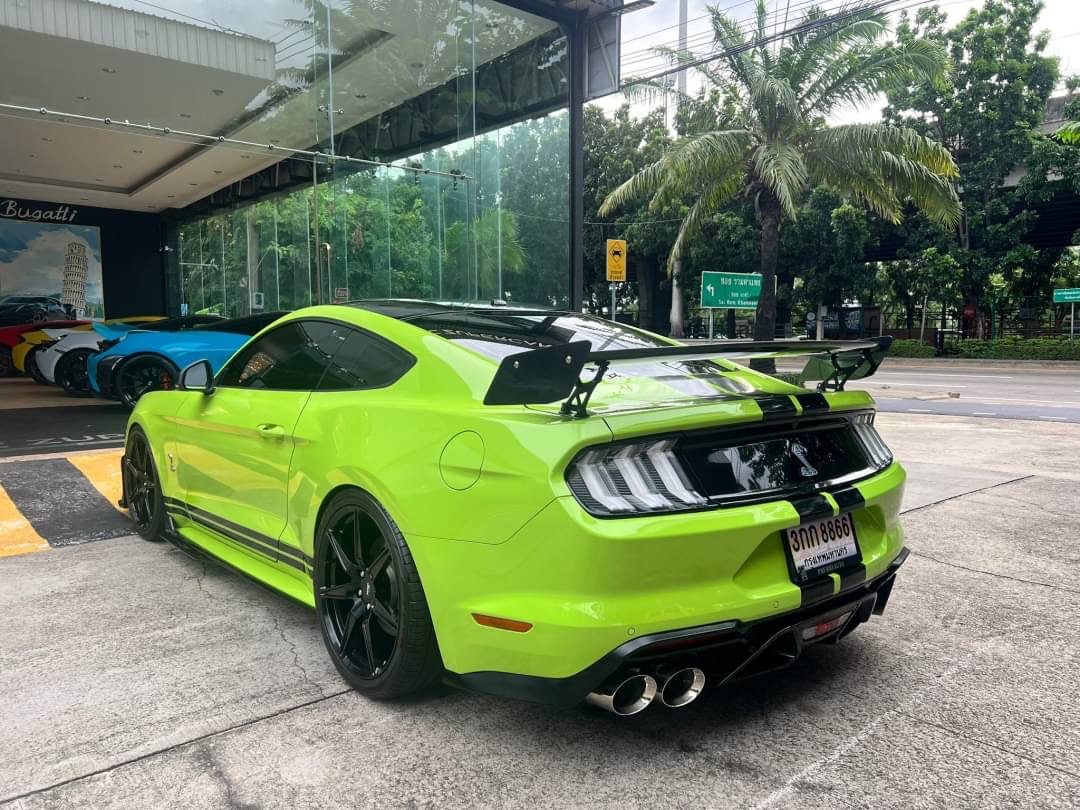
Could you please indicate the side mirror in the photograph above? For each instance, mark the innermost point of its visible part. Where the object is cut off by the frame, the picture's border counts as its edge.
(199, 376)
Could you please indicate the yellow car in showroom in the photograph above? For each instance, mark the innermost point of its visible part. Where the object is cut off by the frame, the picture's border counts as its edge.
(24, 352)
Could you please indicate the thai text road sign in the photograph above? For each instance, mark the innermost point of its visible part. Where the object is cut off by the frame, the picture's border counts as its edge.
(730, 290)
(1067, 295)
(616, 260)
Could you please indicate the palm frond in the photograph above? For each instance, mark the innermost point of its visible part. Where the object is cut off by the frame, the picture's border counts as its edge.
(821, 46)
(780, 167)
(706, 206)
(684, 166)
(883, 165)
(860, 74)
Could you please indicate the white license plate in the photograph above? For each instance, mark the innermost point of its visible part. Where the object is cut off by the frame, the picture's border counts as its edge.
(822, 546)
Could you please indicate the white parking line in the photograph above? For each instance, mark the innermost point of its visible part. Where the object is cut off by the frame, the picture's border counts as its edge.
(982, 413)
(936, 374)
(918, 410)
(1055, 418)
(922, 385)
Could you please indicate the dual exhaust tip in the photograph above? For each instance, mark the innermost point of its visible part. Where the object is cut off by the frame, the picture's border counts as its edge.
(630, 694)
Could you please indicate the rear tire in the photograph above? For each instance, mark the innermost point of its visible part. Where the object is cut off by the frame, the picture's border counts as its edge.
(142, 374)
(7, 365)
(30, 366)
(142, 487)
(70, 373)
(371, 606)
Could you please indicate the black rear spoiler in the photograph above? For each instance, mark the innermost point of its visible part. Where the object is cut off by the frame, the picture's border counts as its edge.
(553, 373)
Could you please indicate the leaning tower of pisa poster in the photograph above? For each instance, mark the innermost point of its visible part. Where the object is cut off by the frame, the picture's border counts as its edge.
(52, 259)
(74, 290)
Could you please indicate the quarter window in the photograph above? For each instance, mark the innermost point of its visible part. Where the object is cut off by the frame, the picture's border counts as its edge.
(292, 357)
(365, 361)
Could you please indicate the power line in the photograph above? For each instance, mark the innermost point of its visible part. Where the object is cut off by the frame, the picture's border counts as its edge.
(799, 29)
(705, 37)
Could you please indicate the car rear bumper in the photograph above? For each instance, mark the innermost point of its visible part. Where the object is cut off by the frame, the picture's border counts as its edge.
(726, 651)
(586, 585)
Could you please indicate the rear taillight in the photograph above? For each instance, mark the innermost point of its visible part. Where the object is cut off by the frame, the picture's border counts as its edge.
(632, 479)
(876, 449)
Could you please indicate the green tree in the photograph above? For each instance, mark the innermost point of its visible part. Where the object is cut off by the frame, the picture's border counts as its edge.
(772, 142)
(986, 118)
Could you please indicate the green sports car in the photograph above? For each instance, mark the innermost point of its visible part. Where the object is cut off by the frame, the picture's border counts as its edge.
(536, 504)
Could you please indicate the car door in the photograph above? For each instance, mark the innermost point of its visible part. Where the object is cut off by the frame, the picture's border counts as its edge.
(234, 445)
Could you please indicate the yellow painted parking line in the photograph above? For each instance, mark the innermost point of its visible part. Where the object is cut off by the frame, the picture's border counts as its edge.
(17, 536)
(102, 470)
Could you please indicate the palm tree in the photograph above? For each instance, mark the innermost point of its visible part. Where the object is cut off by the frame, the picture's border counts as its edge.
(765, 133)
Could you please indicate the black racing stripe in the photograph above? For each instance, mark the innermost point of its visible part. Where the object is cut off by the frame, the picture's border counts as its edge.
(848, 499)
(816, 591)
(61, 505)
(230, 529)
(852, 577)
(247, 542)
(812, 402)
(776, 405)
(812, 507)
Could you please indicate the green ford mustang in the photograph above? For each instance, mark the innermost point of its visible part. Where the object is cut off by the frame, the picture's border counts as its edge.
(536, 504)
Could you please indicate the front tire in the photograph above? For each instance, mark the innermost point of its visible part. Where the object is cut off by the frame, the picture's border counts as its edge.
(371, 606)
(7, 365)
(71, 375)
(142, 487)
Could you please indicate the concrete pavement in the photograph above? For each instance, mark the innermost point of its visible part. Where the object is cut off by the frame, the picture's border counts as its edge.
(136, 677)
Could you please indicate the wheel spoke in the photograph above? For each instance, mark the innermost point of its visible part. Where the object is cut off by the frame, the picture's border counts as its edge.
(339, 552)
(387, 619)
(351, 621)
(369, 648)
(379, 563)
(356, 538)
(345, 591)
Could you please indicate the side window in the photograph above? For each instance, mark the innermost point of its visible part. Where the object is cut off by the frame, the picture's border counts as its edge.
(290, 358)
(365, 361)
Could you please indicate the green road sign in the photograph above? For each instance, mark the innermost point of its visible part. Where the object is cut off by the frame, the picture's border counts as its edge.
(1067, 295)
(730, 290)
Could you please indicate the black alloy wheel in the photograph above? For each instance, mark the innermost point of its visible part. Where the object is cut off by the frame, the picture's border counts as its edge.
(30, 366)
(371, 606)
(142, 489)
(70, 373)
(7, 365)
(140, 375)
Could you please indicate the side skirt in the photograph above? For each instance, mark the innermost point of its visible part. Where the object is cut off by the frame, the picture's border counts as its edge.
(206, 543)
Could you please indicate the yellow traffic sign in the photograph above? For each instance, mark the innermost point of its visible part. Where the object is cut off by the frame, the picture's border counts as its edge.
(616, 260)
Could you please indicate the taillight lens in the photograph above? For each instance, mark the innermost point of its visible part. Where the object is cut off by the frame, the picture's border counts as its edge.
(876, 449)
(632, 479)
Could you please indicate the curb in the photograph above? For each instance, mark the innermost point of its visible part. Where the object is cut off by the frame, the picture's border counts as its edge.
(1061, 365)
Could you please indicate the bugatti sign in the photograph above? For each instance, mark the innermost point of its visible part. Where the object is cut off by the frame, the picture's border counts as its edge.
(60, 213)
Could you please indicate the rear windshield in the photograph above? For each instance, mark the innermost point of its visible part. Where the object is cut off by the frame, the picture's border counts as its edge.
(498, 334)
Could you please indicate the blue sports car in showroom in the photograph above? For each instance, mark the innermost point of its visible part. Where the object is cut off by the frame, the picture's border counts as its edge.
(142, 361)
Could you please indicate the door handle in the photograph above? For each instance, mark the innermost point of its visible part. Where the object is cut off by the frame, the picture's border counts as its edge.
(271, 431)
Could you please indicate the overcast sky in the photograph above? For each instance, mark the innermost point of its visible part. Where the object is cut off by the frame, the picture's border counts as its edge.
(646, 29)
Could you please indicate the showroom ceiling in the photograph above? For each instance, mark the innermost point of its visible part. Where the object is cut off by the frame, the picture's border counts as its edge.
(136, 67)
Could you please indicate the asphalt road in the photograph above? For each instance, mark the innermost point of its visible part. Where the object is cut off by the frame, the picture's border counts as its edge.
(993, 392)
(133, 676)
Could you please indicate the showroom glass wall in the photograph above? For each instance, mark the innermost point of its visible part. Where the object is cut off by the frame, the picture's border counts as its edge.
(460, 105)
